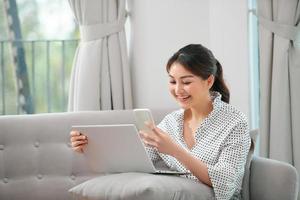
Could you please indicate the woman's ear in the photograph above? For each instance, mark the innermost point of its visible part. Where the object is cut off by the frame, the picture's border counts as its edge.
(210, 81)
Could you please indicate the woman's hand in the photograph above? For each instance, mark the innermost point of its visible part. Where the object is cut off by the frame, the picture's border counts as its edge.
(78, 141)
(160, 140)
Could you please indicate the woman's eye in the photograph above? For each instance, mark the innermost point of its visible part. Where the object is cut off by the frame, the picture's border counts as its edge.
(172, 82)
(186, 83)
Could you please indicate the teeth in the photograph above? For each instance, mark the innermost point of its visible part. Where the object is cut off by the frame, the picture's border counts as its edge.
(183, 97)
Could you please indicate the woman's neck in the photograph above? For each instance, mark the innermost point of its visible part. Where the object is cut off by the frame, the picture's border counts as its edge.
(201, 111)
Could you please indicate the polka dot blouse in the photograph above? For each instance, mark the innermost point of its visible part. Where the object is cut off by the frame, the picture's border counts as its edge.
(222, 142)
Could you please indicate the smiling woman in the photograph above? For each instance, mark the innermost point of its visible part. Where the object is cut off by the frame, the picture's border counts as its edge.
(207, 137)
(198, 61)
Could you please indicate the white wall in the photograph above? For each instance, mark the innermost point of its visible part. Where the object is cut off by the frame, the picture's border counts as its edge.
(229, 42)
(160, 28)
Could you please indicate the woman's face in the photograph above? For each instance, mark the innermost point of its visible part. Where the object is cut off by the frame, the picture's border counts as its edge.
(188, 89)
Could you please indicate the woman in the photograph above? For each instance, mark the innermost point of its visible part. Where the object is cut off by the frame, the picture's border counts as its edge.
(207, 137)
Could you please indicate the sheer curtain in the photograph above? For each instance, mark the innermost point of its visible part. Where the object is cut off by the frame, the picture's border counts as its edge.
(100, 77)
(279, 46)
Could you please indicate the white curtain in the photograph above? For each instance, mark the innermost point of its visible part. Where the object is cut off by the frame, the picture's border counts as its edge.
(100, 77)
(279, 47)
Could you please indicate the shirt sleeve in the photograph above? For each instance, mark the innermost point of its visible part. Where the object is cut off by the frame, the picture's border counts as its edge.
(153, 154)
(227, 174)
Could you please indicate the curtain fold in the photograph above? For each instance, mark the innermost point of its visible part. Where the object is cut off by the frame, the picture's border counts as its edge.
(279, 51)
(100, 78)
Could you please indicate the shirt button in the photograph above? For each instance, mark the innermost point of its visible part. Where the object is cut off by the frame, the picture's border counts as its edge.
(5, 180)
(1, 147)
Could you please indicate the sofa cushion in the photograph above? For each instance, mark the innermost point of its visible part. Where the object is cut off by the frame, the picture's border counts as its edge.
(133, 186)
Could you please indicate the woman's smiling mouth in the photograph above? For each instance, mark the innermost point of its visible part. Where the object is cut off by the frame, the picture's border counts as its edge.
(183, 98)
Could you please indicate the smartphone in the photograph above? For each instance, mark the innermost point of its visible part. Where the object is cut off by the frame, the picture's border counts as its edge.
(141, 116)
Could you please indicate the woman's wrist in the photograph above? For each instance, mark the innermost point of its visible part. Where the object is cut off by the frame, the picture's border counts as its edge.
(179, 152)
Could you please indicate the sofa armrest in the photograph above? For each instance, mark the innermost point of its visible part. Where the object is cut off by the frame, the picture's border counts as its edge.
(272, 180)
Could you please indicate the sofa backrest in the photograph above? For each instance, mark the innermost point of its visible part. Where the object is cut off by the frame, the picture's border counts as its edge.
(36, 159)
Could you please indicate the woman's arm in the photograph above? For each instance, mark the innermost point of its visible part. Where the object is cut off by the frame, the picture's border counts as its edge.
(225, 176)
(196, 166)
(165, 144)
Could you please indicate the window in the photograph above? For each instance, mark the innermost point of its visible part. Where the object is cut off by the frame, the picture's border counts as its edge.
(254, 67)
(35, 65)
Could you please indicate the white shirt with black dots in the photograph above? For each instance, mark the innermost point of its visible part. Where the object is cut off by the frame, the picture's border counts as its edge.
(222, 143)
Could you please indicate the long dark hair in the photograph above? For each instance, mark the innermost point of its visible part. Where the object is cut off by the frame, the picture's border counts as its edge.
(200, 61)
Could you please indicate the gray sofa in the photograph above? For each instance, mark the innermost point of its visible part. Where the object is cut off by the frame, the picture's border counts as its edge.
(37, 162)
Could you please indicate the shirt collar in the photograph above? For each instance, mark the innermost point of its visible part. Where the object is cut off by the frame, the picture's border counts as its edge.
(216, 100)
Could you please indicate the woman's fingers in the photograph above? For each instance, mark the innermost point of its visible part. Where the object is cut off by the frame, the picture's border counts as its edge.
(157, 131)
(153, 128)
(75, 133)
(146, 135)
(80, 137)
(150, 125)
(79, 143)
(149, 139)
(151, 143)
(78, 149)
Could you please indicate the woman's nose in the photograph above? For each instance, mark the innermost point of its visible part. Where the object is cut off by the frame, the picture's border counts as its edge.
(178, 89)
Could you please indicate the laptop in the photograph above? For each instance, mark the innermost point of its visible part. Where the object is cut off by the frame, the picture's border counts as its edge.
(117, 148)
